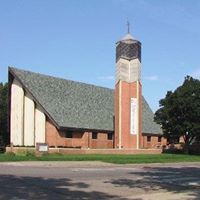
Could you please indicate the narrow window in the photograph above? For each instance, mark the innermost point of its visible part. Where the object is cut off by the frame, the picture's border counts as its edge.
(68, 134)
(159, 139)
(110, 136)
(94, 135)
(148, 138)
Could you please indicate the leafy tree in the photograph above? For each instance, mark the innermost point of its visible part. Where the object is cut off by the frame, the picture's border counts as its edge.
(179, 112)
(4, 138)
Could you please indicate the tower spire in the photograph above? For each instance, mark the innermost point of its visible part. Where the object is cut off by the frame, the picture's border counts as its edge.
(128, 98)
(128, 27)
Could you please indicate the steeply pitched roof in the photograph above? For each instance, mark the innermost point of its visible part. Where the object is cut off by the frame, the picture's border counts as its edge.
(148, 124)
(77, 105)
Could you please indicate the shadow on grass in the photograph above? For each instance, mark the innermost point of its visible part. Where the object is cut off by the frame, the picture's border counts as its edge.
(170, 179)
(14, 187)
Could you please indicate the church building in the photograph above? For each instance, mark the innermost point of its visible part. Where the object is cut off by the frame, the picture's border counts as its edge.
(68, 114)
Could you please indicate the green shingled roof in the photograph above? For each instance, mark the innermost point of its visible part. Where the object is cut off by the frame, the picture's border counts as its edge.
(73, 104)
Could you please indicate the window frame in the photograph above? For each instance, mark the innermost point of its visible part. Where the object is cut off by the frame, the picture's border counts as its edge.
(109, 136)
(68, 134)
(94, 135)
(148, 138)
(159, 138)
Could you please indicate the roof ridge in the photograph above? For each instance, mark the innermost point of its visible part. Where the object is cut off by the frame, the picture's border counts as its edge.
(55, 77)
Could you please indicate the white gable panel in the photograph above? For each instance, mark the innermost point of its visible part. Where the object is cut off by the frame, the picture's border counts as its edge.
(17, 107)
(40, 120)
(29, 115)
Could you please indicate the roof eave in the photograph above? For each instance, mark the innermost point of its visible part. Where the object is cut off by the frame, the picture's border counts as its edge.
(62, 128)
(152, 134)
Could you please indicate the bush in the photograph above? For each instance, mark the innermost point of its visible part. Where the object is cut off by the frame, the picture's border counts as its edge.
(10, 153)
(194, 149)
(30, 153)
(172, 148)
(25, 152)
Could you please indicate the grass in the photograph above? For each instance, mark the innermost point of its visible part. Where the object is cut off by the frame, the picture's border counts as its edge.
(117, 159)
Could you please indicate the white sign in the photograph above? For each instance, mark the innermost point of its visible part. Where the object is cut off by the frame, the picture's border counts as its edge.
(133, 116)
(42, 147)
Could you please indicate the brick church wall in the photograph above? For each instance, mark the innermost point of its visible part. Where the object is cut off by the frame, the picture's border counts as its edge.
(154, 143)
(56, 138)
(101, 142)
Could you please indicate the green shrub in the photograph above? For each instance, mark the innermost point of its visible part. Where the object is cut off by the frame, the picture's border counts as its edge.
(10, 153)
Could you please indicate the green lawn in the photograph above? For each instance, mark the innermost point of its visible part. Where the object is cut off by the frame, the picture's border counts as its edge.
(118, 159)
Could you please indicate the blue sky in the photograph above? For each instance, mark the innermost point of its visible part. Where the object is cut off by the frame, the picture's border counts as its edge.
(75, 39)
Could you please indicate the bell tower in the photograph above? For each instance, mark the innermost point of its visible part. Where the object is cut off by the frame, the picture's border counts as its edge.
(128, 98)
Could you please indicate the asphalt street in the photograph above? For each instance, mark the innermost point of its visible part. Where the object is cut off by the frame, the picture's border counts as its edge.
(96, 180)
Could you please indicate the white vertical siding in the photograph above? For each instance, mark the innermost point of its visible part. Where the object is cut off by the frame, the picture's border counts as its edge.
(40, 120)
(29, 115)
(129, 71)
(17, 107)
(135, 70)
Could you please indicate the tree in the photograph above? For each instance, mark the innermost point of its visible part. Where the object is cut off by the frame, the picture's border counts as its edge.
(4, 138)
(179, 112)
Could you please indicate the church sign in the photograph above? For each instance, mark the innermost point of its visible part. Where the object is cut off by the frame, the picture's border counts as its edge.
(42, 147)
(133, 116)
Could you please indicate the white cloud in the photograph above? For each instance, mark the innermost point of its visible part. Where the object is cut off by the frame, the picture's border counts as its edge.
(151, 78)
(196, 73)
(106, 77)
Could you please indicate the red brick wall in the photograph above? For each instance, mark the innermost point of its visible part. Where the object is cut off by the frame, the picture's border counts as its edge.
(53, 137)
(101, 142)
(153, 143)
(116, 111)
(80, 139)
(84, 140)
(128, 90)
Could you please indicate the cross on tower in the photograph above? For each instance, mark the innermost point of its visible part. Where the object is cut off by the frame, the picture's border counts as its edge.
(128, 26)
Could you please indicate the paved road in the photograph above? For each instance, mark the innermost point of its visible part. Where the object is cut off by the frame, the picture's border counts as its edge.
(84, 180)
